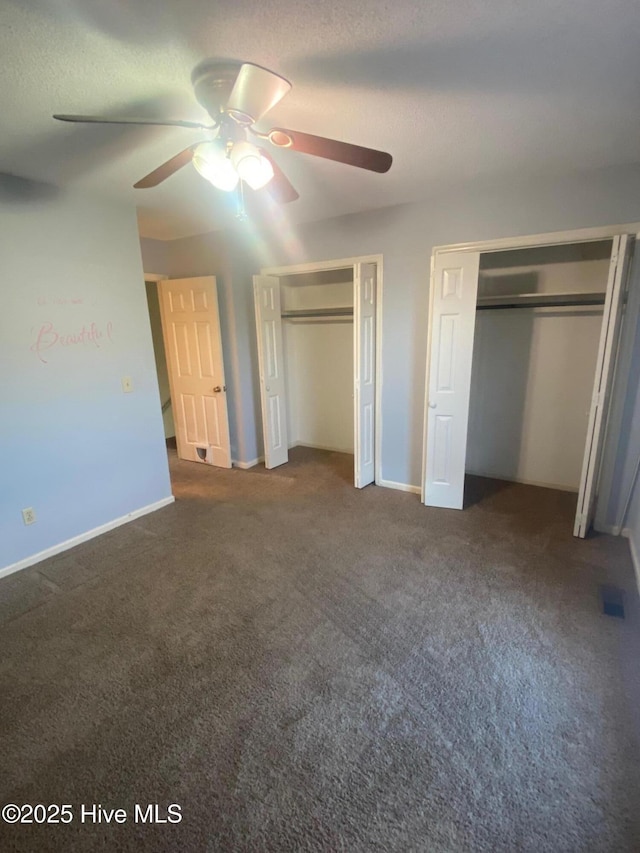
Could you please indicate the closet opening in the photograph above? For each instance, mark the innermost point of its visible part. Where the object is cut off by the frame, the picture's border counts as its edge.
(316, 329)
(523, 347)
(537, 328)
(317, 338)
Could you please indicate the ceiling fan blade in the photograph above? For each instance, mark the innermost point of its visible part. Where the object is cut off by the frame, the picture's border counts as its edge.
(255, 92)
(331, 149)
(166, 170)
(280, 187)
(150, 121)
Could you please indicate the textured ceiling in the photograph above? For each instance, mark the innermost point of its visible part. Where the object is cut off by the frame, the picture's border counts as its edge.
(453, 90)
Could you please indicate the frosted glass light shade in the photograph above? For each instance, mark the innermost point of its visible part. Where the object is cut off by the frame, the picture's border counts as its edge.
(210, 159)
(252, 166)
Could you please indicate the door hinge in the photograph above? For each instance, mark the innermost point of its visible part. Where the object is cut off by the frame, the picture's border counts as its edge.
(598, 398)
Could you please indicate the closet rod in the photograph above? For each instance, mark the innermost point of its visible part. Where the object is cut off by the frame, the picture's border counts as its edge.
(541, 300)
(318, 312)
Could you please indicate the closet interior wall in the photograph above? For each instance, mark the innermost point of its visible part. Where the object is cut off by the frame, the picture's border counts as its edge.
(533, 368)
(318, 358)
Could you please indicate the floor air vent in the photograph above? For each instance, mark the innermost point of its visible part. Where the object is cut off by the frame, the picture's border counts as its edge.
(612, 598)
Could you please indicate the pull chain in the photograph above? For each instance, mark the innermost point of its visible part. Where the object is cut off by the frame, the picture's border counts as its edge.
(241, 212)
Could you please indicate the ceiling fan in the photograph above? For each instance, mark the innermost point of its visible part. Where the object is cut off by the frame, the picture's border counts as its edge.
(237, 96)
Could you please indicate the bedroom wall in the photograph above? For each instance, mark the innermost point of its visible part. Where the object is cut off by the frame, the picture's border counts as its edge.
(405, 235)
(632, 530)
(74, 322)
(155, 256)
(624, 474)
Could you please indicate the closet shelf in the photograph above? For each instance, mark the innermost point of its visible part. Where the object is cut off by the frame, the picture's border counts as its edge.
(318, 312)
(541, 300)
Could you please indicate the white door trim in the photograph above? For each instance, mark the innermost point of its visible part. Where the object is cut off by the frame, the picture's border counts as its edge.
(321, 266)
(551, 238)
(364, 353)
(619, 269)
(339, 263)
(273, 385)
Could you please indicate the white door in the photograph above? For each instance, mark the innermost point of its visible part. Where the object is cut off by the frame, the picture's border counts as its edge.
(191, 330)
(266, 290)
(365, 372)
(616, 285)
(454, 287)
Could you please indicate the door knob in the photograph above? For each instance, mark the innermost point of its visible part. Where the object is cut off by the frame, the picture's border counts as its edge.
(432, 405)
(218, 389)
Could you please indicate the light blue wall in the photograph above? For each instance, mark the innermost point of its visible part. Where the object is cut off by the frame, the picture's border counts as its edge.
(155, 256)
(632, 529)
(629, 456)
(73, 446)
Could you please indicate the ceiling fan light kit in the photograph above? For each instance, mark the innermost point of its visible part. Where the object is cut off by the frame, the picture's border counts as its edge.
(224, 165)
(236, 96)
(211, 161)
(251, 165)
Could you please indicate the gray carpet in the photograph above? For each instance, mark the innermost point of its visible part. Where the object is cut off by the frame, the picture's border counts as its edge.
(307, 667)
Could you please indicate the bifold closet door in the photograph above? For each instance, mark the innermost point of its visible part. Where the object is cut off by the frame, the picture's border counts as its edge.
(364, 397)
(266, 290)
(621, 253)
(454, 288)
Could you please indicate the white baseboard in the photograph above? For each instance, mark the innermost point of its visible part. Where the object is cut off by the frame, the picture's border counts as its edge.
(245, 465)
(83, 537)
(635, 557)
(400, 487)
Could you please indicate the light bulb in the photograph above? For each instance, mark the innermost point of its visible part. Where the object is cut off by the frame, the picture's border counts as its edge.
(251, 164)
(210, 159)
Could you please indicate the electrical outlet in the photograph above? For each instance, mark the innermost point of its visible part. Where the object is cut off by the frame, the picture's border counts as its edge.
(29, 515)
(127, 384)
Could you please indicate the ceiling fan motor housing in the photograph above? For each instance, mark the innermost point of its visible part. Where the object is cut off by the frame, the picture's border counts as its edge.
(212, 83)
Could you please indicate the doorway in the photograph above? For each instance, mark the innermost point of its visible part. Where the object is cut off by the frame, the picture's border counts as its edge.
(162, 372)
(318, 330)
(522, 349)
(187, 343)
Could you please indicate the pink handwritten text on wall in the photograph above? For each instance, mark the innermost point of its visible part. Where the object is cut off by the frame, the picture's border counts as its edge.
(49, 337)
(60, 300)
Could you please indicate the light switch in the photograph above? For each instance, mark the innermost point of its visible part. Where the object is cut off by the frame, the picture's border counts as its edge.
(127, 384)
